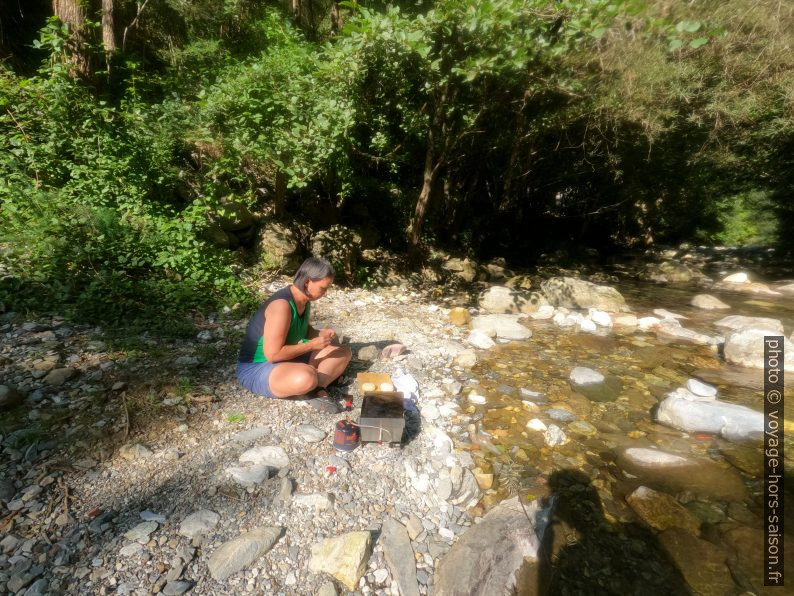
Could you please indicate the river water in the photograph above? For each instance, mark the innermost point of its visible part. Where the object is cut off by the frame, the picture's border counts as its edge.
(718, 495)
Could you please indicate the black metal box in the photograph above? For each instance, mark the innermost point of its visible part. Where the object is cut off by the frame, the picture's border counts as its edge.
(382, 417)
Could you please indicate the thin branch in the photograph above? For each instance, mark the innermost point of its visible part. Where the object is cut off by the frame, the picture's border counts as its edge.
(134, 23)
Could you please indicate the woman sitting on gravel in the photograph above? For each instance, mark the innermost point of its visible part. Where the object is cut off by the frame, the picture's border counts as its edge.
(282, 355)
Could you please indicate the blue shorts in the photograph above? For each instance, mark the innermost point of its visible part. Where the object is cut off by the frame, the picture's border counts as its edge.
(255, 376)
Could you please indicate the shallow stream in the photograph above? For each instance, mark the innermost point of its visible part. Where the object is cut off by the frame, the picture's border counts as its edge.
(608, 430)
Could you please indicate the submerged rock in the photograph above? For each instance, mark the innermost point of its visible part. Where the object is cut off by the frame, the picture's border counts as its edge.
(671, 472)
(671, 330)
(708, 302)
(585, 376)
(701, 563)
(595, 386)
(661, 511)
(701, 389)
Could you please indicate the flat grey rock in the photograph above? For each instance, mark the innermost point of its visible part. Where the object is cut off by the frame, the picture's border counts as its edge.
(174, 588)
(249, 476)
(272, 456)
(310, 433)
(399, 556)
(141, 532)
(199, 522)
(251, 435)
(236, 554)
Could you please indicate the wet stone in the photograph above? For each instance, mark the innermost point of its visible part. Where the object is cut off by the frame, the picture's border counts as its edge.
(560, 415)
(701, 563)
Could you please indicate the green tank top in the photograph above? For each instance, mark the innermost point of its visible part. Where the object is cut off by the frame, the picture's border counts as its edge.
(298, 325)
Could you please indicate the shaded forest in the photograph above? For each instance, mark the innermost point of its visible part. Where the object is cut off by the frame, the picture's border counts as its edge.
(131, 132)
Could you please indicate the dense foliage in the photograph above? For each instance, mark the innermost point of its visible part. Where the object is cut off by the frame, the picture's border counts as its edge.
(495, 127)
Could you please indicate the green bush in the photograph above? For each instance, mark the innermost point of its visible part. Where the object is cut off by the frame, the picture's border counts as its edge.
(89, 218)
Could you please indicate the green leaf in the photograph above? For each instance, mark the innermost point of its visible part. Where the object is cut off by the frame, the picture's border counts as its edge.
(598, 33)
(696, 43)
(675, 44)
(688, 26)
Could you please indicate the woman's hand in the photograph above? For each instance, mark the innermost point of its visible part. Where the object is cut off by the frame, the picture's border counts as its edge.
(320, 342)
(327, 332)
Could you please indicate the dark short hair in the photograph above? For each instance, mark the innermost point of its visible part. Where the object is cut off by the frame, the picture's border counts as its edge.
(314, 269)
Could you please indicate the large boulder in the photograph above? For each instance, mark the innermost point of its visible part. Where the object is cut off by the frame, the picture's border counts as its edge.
(278, 247)
(501, 300)
(576, 293)
(233, 215)
(218, 236)
(463, 269)
(692, 413)
(340, 246)
(745, 347)
(671, 272)
(485, 559)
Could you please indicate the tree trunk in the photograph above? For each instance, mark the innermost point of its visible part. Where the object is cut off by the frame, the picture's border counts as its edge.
(108, 30)
(296, 11)
(73, 13)
(109, 26)
(281, 194)
(428, 181)
(435, 154)
(335, 17)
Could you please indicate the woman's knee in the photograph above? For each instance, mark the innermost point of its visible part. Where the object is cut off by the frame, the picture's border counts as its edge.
(345, 353)
(305, 379)
(293, 379)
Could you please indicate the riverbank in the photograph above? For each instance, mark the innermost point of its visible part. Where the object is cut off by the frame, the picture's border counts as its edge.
(141, 466)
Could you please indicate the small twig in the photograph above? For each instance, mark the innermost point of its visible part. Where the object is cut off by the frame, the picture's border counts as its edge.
(27, 138)
(8, 520)
(126, 416)
(65, 488)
